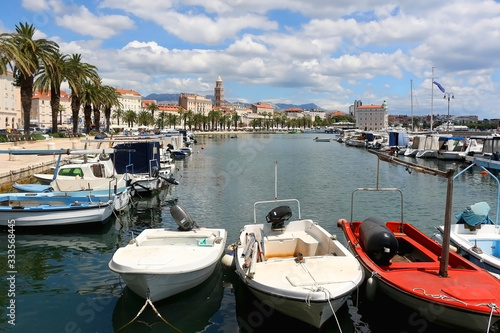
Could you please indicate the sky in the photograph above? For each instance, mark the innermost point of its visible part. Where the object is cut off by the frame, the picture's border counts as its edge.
(326, 52)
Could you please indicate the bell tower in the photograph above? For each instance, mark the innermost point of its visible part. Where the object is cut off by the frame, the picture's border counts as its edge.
(218, 93)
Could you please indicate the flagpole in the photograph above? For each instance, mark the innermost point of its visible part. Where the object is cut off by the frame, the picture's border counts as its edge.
(432, 96)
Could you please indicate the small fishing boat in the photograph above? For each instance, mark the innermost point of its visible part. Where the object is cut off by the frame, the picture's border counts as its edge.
(160, 263)
(299, 268)
(475, 235)
(52, 209)
(318, 139)
(420, 273)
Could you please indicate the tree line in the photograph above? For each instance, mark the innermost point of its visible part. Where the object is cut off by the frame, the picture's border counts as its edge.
(39, 64)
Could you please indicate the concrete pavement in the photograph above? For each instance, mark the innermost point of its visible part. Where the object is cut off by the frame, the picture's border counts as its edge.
(16, 167)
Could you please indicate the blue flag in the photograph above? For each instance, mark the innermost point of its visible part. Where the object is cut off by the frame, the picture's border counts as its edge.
(439, 86)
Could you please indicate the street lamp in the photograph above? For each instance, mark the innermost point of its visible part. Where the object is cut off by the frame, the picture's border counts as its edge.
(452, 96)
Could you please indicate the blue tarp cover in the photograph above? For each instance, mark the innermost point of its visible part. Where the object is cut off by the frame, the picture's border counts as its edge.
(475, 214)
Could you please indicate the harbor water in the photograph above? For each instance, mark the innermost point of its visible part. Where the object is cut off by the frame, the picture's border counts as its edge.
(62, 282)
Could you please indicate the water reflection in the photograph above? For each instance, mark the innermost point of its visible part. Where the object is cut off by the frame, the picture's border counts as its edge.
(190, 311)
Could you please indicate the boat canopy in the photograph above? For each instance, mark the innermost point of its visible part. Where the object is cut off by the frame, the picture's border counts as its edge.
(475, 214)
(446, 138)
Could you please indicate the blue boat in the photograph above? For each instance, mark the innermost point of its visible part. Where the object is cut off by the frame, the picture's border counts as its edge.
(52, 209)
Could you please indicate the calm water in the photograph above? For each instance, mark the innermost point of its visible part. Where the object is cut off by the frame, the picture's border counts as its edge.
(63, 283)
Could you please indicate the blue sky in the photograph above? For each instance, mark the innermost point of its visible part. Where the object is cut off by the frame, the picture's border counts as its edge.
(286, 51)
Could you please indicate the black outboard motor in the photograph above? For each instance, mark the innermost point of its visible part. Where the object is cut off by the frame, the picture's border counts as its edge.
(182, 218)
(278, 216)
(377, 241)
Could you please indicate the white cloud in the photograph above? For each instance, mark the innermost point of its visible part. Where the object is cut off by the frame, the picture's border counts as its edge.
(101, 27)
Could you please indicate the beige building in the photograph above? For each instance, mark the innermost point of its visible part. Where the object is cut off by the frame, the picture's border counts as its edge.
(371, 117)
(41, 111)
(262, 107)
(130, 100)
(10, 103)
(195, 103)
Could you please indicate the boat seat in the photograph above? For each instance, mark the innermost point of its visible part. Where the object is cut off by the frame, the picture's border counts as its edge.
(306, 244)
(301, 242)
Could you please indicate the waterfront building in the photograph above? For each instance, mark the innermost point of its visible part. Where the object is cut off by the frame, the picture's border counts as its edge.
(371, 117)
(195, 103)
(10, 102)
(130, 100)
(41, 110)
(262, 107)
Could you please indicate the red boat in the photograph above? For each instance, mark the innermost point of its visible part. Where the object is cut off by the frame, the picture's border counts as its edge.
(467, 300)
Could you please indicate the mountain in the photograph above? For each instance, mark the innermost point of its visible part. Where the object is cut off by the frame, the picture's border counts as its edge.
(308, 106)
(164, 97)
(174, 98)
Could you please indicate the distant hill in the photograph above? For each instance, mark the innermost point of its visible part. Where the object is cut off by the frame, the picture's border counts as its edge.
(169, 98)
(308, 106)
(174, 98)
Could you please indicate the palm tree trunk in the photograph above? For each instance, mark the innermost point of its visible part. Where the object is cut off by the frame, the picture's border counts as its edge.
(26, 97)
(75, 110)
(55, 100)
(87, 113)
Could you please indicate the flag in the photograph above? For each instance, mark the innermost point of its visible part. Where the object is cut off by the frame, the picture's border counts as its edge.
(439, 86)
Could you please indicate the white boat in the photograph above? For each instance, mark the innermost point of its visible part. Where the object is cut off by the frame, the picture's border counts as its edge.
(160, 263)
(299, 268)
(52, 209)
(430, 147)
(452, 148)
(477, 237)
(318, 139)
(97, 179)
(489, 157)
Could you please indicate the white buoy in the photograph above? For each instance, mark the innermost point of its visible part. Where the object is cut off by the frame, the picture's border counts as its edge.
(228, 259)
(371, 289)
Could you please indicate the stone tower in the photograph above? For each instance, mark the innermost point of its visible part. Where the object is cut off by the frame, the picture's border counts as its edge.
(218, 93)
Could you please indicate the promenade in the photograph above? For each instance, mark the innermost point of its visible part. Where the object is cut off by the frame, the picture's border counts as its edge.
(16, 167)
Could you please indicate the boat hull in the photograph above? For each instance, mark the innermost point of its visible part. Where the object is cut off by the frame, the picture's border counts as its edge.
(161, 286)
(60, 216)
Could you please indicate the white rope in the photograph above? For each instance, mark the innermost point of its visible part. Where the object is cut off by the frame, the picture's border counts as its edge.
(493, 307)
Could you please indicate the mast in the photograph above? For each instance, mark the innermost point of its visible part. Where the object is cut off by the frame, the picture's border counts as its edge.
(411, 104)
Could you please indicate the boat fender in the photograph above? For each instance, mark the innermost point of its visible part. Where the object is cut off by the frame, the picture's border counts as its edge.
(228, 258)
(182, 218)
(371, 289)
(377, 241)
(278, 216)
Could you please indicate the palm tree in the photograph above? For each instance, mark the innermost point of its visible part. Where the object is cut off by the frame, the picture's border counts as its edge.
(130, 117)
(110, 100)
(152, 107)
(145, 118)
(172, 119)
(77, 73)
(88, 97)
(235, 118)
(50, 79)
(118, 114)
(24, 55)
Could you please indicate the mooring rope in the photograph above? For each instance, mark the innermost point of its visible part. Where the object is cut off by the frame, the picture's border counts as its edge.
(148, 301)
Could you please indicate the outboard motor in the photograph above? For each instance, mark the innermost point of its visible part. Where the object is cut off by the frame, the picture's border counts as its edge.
(377, 241)
(182, 218)
(278, 216)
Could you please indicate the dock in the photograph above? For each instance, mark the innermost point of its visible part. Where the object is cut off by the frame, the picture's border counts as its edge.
(15, 167)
